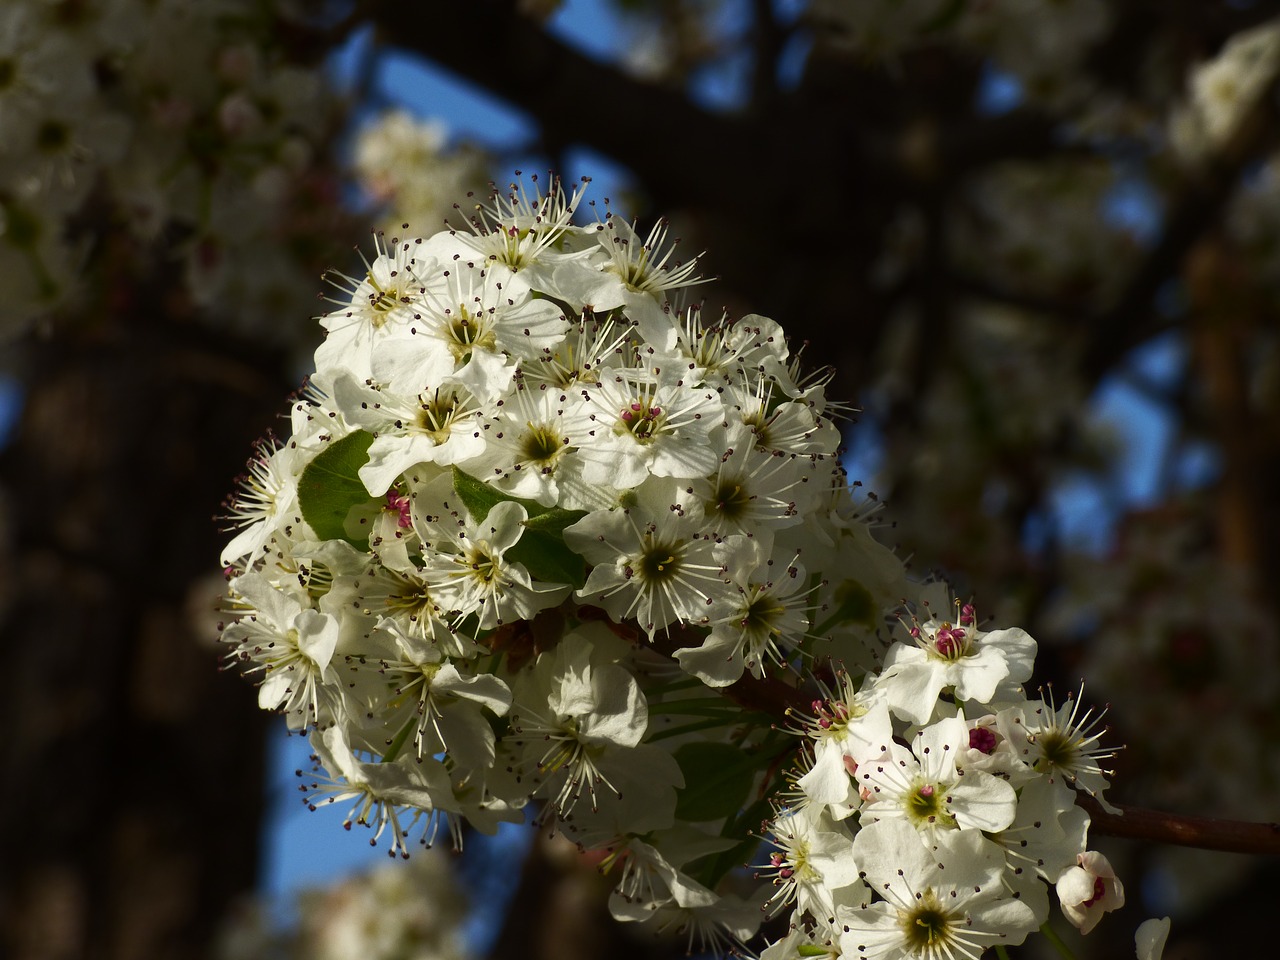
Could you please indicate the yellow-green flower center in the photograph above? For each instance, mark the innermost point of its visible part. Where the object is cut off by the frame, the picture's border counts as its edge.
(926, 927)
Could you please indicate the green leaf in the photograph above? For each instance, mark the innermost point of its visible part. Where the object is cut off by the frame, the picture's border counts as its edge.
(479, 498)
(717, 780)
(710, 870)
(553, 520)
(330, 488)
(855, 604)
(547, 557)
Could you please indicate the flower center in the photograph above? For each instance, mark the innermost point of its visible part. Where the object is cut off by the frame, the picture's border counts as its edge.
(759, 424)
(1057, 751)
(436, 415)
(926, 803)
(1099, 891)
(731, 500)
(513, 247)
(983, 740)
(541, 445)
(927, 926)
(412, 600)
(761, 614)
(951, 642)
(398, 503)
(466, 331)
(640, 420)
(660, 562)
(382, 302)
(481, 564)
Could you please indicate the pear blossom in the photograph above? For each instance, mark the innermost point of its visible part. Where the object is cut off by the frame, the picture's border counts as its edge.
(815, 867)
(448, 704)
(762, 622)
(383, 793)
(940, 901)
(579, 724)
(290, 644)
(266, 499)
(848, 727)
(653, 567)
(955, 656)
(1062, 742)
(924, 787)
(650, 427)
(636, 277)
(1088, 890)
(472, 575)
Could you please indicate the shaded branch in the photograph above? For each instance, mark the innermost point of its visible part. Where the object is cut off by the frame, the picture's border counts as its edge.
(1230, 836)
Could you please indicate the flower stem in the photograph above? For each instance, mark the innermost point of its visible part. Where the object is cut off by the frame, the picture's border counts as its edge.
(1051, 935)
(1231, 836)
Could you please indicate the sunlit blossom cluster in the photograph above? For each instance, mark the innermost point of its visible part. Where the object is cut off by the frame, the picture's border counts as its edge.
(546, 533)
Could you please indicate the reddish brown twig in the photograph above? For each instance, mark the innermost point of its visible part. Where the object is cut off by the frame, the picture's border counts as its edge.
(1231, 836)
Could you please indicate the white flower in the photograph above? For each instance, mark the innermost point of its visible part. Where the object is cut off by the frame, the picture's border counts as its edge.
(924, 787)
(1060, 742)
(754, 492)
(532, 447)
(941, 902)
(956, 656)
(448, 704)
(648, 881)
(441, 425)
(379, 303)
(786, 427)
(470, 327)
(594, 348)
(383, 792)
(761, 622)
(849, 727)
(636, 277)
(471, 575)
(654, 568)
(645, 428)
(1088, 890)
(531, 234)
(266, 500)
(1044, 839)
(578, 724)
(815, 867)
(291, 645)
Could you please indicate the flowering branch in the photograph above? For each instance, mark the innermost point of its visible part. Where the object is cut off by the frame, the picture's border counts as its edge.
(543, 537)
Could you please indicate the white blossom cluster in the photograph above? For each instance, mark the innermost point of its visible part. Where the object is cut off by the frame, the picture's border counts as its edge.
(394, 147)
(1222, 90)
(543, 534)
(395, 912)
(150, 114)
